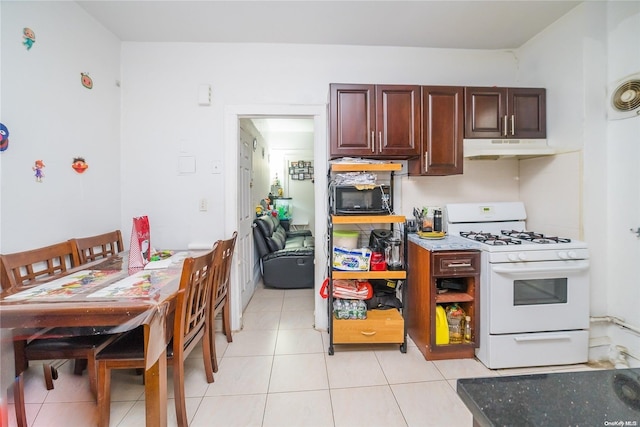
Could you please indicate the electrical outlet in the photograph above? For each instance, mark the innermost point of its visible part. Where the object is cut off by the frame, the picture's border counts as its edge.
(216, 167)
(203, 204)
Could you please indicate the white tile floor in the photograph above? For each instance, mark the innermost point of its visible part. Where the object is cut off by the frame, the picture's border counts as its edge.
(276, 372)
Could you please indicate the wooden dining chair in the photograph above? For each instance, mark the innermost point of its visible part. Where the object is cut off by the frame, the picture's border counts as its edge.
(220, 293)
(99, 246)
(190, 326)
(49, 344)
(41, 264)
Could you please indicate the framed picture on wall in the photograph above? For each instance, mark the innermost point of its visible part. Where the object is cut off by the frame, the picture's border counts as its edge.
(294, 164)
(292, 170)
(311, 169)
(301, 176)
(307, 176)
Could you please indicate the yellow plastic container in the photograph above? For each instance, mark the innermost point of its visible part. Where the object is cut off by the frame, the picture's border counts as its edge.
(442, 326)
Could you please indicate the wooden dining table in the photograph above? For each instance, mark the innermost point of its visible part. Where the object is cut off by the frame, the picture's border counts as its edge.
(104, 296)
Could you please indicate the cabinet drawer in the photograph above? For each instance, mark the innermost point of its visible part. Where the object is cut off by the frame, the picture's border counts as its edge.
(461, 263)
(380, 326)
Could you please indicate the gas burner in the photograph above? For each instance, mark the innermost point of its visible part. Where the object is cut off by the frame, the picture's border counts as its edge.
(488, 238)
(478, 236)
(534, 237)
(547, 239)
(524, 235)
(502, 241)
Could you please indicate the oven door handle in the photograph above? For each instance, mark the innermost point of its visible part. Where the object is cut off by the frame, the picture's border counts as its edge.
(538, 337)
(579, 266)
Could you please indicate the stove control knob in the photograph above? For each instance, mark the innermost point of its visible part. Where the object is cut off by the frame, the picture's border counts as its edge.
(568, 255)
(517, 257)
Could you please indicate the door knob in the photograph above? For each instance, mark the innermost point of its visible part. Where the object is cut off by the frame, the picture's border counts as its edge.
(637, 231)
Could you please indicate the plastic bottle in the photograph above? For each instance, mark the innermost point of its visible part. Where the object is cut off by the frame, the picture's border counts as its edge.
(467, 329)
(455, 320)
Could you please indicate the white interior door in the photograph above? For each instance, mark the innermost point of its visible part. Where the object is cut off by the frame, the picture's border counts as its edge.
(245, 218)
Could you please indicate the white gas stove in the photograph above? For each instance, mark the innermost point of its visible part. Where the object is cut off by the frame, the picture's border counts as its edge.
(534, 288)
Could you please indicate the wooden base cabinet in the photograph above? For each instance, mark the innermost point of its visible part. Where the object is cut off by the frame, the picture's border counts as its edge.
(426, 269)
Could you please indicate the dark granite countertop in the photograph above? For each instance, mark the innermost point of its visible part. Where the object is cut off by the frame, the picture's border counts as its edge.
(608, 397)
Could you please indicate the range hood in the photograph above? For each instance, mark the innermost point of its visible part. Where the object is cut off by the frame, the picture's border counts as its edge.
(504, 148)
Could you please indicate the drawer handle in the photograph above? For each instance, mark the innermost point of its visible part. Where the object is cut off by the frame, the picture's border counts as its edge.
(368, 333)
(457, 265)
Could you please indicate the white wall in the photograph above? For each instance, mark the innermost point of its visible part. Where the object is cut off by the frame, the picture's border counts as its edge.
(52, 117)
(623, 181)
(593, 191)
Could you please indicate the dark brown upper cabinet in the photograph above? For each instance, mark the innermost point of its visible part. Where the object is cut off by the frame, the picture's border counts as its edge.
(375, 121)
(442, 132)
(493, 112)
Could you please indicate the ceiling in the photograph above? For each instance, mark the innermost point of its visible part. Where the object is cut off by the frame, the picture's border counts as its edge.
(452, 24)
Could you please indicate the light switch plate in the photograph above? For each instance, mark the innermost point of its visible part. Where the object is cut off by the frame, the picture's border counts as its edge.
(186, 165)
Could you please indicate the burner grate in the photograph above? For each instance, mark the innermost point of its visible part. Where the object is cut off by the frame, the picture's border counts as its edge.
(534, 237)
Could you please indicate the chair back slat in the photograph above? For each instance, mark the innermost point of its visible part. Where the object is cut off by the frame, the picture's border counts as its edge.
(99, 246)
(24, 268)
(192, 303)
(222, 267)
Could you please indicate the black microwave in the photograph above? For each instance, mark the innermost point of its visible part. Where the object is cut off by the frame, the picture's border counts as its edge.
(349, 200)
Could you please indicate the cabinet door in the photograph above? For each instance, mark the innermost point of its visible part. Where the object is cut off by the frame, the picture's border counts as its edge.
(352, 120)
(398, 121)
(485, 112)
(442, 128)
(527, 116)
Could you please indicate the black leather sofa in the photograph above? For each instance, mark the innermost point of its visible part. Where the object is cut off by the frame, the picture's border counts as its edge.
(286, 257)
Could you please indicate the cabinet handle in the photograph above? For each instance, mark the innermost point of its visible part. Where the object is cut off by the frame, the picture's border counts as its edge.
(513, 124)
(373, 142)
(505, 126)
(458, 265)
(368, 333)
(426, 161)
(380, 140)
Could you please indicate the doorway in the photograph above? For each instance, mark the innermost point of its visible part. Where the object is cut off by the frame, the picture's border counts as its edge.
(237, 214)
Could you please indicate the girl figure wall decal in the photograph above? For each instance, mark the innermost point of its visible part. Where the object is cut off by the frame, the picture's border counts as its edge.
(39, 165)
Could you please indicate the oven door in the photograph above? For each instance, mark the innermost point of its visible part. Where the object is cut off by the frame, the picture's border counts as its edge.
(538, 296)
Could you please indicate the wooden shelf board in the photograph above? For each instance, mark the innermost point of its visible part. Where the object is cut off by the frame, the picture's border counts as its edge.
(386, 274)
(453, 297)
(361, 167)
(367, 219)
